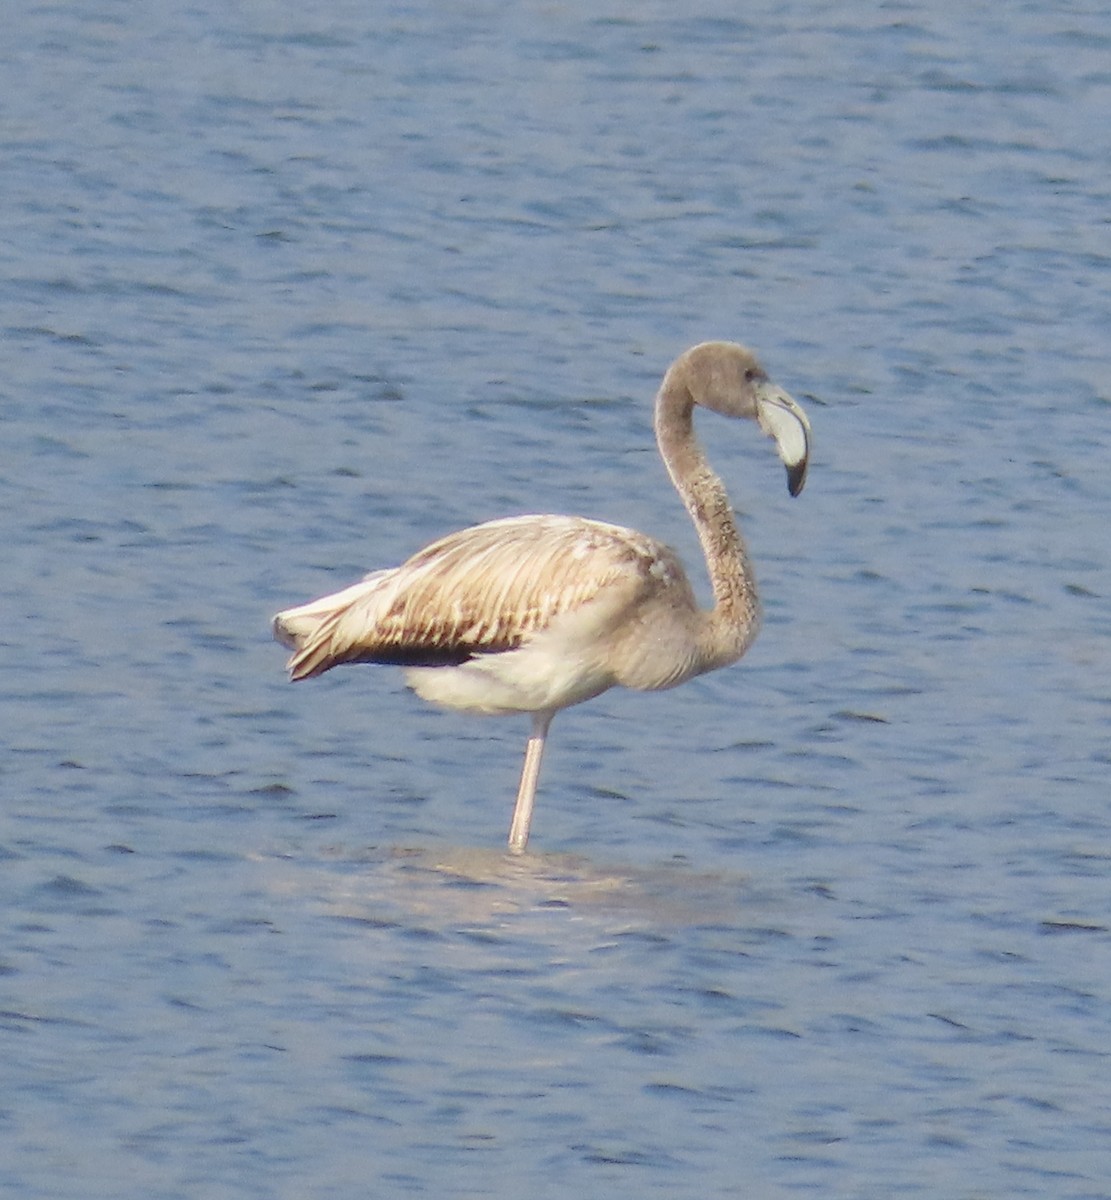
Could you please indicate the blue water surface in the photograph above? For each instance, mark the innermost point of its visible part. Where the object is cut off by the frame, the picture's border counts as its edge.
(290, 290)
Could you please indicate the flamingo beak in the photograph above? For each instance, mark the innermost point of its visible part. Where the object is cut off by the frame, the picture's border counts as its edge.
(782, 418)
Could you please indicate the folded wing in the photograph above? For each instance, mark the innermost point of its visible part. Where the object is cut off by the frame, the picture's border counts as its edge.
(483, 590)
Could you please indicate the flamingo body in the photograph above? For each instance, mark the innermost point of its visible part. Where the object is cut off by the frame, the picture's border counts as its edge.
(532, 614)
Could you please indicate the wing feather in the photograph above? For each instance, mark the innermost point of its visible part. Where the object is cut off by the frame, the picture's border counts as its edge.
(482, 590)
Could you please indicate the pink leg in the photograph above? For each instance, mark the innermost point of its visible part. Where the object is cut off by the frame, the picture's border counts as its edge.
(530, 773)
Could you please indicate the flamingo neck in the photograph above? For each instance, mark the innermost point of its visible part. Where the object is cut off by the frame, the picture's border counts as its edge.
(732, 623)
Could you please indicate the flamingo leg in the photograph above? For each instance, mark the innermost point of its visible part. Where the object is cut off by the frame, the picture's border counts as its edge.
(530, 773)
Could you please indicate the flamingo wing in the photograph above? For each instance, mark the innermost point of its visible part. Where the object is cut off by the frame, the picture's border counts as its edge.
(483, 590)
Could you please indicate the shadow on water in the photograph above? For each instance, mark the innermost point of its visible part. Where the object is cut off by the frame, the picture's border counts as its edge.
(446, 887)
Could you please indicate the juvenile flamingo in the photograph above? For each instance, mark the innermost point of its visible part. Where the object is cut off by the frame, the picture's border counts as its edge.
(532, 614)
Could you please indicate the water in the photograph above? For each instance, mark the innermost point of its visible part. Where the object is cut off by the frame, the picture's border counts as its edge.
(290, 290)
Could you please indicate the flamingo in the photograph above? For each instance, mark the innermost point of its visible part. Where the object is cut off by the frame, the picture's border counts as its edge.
(535, 613)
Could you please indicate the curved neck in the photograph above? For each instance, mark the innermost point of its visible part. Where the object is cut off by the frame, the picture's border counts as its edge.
(733, 622)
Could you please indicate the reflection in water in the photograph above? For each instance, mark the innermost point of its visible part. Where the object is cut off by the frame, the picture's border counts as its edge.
(451, 886)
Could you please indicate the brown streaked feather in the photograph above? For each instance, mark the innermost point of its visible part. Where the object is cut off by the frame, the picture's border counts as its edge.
(483, 590)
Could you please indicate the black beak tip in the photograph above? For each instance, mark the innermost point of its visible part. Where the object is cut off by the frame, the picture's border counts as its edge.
(796, 477)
